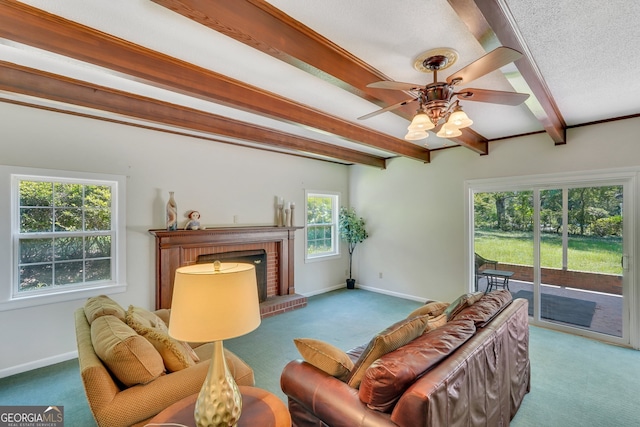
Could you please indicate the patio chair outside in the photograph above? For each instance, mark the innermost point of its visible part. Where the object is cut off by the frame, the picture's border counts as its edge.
(481, 262)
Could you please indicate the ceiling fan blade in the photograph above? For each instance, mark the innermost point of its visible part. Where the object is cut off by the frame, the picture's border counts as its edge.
(394, 85)
(491, 61)
(493, 96)
(389, 108)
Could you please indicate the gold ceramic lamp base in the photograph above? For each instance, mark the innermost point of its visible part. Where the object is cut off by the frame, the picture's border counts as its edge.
(219, 403)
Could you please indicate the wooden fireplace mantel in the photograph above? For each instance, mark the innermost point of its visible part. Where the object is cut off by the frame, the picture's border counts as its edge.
(172, 248)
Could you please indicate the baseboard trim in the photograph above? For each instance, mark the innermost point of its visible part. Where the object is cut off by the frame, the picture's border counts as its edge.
(391, 293)
(366, 288)
(41, 363)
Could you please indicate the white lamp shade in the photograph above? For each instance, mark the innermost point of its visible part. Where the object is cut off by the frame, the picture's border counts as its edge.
(448, 131)
(459, 119)
(416, 135)
(212, 305)
(420, 122)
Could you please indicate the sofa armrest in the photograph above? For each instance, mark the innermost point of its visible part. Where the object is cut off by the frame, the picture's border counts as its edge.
(332, 401)
(144, 401)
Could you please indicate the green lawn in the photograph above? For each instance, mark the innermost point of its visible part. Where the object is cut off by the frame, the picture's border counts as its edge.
(593, 254)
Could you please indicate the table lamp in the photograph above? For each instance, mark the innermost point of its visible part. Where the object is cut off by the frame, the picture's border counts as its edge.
(214, 302)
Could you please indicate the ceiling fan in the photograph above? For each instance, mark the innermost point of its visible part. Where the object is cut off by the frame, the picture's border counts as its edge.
(436, 100)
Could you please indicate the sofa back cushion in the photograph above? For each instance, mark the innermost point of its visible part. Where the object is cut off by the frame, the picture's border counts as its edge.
(388, 377)
(393, 337)
(486, 308)
(130, 357)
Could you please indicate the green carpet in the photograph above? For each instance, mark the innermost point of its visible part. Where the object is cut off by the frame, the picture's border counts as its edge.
(575, 381)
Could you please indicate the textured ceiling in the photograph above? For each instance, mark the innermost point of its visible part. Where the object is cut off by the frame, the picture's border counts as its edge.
(585, 53)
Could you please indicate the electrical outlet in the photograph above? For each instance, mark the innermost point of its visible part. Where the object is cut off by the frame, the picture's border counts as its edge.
(380, 275)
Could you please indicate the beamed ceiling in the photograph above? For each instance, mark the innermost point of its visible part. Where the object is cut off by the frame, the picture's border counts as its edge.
(291, 76)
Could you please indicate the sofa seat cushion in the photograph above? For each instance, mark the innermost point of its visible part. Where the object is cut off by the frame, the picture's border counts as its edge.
(486, 308)
(130, 357)
(177, 355)
(388, 377)
(395, 336)
(324, 356)
(102, 305)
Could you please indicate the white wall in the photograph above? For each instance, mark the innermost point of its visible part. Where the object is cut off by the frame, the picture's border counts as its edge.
(415, 212)
(219, 180)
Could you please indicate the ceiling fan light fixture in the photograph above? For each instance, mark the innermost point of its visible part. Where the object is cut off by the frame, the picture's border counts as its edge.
(448, 131)
(421, 122)
(459, 118)
(416, 135)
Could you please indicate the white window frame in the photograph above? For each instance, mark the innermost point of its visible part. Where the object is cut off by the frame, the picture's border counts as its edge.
(335, 236)
(10, 298)
(628, 178)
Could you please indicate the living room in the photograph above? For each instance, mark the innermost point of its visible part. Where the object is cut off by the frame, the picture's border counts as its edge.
(416, 213)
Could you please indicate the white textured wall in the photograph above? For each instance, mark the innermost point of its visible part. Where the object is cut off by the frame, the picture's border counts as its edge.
(415, 212)
(219, 180)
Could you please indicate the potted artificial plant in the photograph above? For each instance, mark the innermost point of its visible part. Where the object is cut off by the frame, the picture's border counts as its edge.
(352, 231)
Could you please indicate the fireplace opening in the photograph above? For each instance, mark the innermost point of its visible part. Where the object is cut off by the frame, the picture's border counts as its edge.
(257, 257)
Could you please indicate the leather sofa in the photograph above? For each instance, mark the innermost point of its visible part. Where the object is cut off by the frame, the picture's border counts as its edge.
(113, 398)
(472, 370)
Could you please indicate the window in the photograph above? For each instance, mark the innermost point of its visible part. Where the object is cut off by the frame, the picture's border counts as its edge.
(567, 239)
(322, 225)
(67, 236)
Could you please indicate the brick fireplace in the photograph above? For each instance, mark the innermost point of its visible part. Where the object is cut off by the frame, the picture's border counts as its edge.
(184, 247)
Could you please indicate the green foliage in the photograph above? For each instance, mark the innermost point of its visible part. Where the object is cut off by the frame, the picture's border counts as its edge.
(591, 211)
(61, 208)
(352, 230)
(319, 210)
(611, 226)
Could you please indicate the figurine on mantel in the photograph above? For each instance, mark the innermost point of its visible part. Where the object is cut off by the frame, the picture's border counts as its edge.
(194, 221)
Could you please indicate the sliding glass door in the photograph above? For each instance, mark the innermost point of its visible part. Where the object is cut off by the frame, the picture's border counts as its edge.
(581, 241)
(563, 247)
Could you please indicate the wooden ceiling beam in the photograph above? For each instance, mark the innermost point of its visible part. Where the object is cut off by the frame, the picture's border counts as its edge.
(31, 26)
(258, 24)
(28, 81)
(487, 18)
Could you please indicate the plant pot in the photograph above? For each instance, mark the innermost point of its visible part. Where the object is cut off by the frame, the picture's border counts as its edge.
(351, 283)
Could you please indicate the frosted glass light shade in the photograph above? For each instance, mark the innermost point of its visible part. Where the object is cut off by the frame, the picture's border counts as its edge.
(448, 131)
(459, 119)
(416, 135)
(212, 304)
(420, 122)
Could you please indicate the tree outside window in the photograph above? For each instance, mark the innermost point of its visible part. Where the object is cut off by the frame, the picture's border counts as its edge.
(321, 225)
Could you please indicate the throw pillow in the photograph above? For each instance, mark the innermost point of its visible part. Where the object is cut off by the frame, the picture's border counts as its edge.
(436, 322)
(433, 309)
(388, 377)
(177, 355)
(130, 358)
(460, 303)
(325, 357)
(393, 337)
(102, 305)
